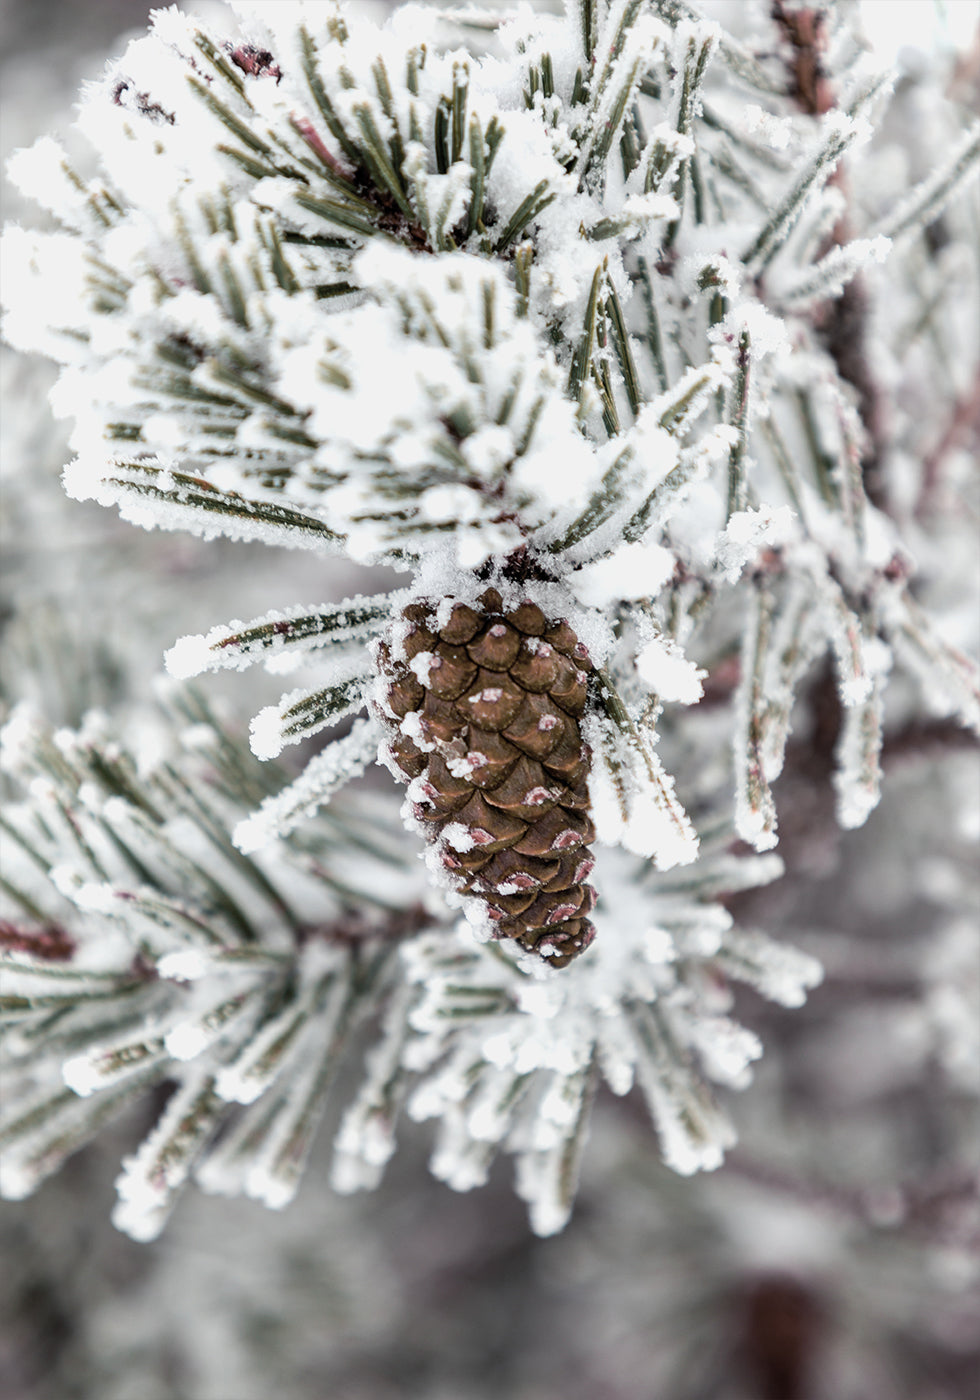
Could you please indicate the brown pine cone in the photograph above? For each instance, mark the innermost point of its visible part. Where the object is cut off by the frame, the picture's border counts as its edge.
(483, 715)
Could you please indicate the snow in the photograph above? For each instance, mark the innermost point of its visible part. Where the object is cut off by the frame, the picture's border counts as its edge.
(265, 731)
(458, 837)
(632, 571)
(661, 663)
(186, 1041)
(190, 656)
(81, 1075)
(421, 665)
(633, 800)
(425, 418)
(747, 533)
(39, 173)
(184, 965)
(775, 132)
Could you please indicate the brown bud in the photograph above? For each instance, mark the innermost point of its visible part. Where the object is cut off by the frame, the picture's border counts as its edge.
(491, 601)
(508, 869)
(537, 727)
(439, 720)
(417, 640)
(409, 757)
(561, 637)
(569, 760)
(574, 868)
(405, 694)
(536, 667)
(526, 792)
(490, 758)
(490, 828)
(570, 687)
(558, 830)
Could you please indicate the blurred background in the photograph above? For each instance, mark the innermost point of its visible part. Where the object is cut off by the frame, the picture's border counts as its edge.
(836, 1256)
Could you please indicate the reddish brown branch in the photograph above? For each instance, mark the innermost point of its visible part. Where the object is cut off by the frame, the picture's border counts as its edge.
(783, 1322)
(356, 926)
(934, 1207)
(841, 321)
(963, 426)
(810, 85)
(49, 943)
(927, 739)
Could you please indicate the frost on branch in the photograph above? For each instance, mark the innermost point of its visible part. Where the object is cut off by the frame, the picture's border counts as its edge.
(181, 960)
(568, 311)
(142, 948)
(376, 296)
(507, 1056)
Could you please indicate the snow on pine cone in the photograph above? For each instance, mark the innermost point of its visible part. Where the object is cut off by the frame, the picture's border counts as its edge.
(483, 711)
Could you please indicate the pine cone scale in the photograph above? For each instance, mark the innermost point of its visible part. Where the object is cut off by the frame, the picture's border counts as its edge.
(559, 830)
(496, 648)
(451, 672)
(493, 701)
(537, 728)
(462, 626)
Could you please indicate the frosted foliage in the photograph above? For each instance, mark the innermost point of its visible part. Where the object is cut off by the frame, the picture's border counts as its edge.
(668, 673)
(321, 778)
(633, 798)
(348, 287)
(188, 963)
(216, 977)
(510, 1053)
(281, 639)
(602, 307)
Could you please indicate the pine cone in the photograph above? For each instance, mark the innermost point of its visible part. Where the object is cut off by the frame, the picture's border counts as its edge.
(483, 714)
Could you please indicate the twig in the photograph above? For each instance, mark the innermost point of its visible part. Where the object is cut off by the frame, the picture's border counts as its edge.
(355, 927)
(51, 943)
(933, 1206)
(926, 739)
(842, 321)
(964, 423)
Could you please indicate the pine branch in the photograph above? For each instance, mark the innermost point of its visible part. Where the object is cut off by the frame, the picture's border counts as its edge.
(576, 340)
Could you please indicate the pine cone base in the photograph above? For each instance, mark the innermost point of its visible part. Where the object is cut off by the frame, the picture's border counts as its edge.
(483, 717)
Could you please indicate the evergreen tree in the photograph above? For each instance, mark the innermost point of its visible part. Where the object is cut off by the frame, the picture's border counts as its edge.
(566, 319)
